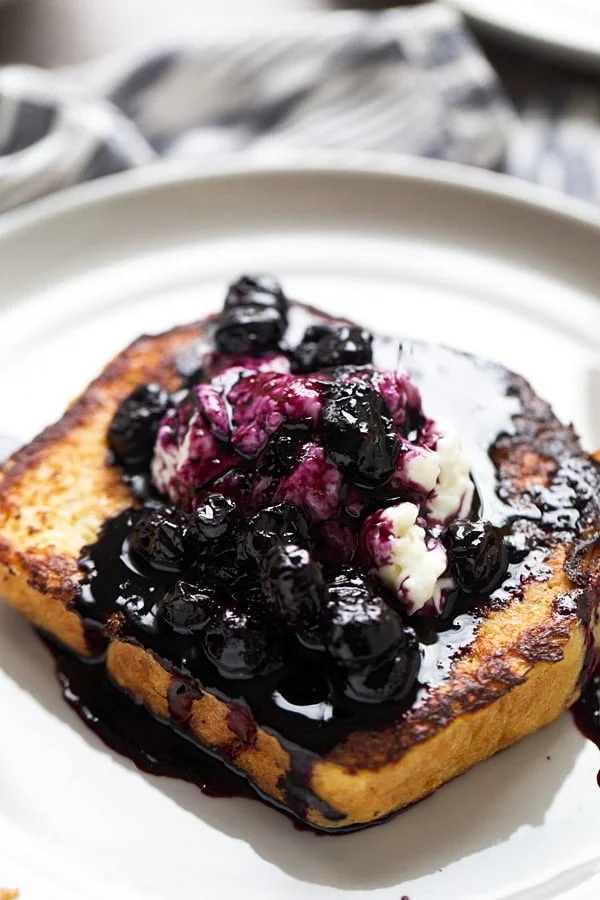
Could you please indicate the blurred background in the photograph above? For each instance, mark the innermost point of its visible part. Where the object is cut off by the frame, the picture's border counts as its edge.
(62, 32)
(55, 32)
(552, 90)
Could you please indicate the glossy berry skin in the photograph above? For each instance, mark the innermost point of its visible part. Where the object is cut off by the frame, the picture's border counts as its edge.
(249, 329)
(478, 556)
(303, 359)
(310, 637)
(376, 655)
(359, 625)
(161, 539)
(293, 585)
(283, 523)
(132, 432)
(345, 345)
(392, 680)
(283, 450)
(215, 519)
(358, 435)
(216, 531)
(257, 290)
(241, 643)
(187, 608)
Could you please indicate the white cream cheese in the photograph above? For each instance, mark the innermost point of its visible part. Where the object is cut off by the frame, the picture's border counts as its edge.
(417, 561)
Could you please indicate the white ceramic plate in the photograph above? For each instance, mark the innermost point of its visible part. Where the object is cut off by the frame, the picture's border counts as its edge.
(565, 28)
(462, 257)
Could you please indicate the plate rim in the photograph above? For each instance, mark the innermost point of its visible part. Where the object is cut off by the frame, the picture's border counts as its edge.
(398, 167)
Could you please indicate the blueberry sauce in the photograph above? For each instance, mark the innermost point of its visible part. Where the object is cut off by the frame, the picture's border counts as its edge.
(586, 712)
(129, 729)
(158, 748)
(164, 749)
(250, 649)
(295, 701)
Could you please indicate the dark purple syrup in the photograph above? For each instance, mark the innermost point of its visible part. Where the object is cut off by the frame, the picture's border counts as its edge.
(129, 729)
(586, 712)
(160, 748)
(295, 703)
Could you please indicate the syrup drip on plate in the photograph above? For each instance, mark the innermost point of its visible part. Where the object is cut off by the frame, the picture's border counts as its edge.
(586, 712)
(129, 729)
(482, 400)
(158, 748)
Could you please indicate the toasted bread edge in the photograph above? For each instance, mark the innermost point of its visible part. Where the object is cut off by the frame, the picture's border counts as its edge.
(55, 495)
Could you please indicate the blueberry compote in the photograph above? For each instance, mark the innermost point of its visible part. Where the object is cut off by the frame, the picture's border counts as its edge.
(586, 712)
(320, 520)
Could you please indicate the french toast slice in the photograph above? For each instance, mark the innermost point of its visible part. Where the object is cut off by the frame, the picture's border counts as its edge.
(526, 664)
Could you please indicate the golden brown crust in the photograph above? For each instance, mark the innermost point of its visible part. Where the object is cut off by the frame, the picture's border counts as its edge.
(509, 643)
(56, 492)
(522, 670)
(496, 696)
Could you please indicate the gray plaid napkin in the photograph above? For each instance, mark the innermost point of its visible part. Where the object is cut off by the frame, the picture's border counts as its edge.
(557, 140)
(408, 81)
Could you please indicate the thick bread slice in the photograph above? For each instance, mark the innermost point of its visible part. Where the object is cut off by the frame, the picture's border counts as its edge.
(521, 672)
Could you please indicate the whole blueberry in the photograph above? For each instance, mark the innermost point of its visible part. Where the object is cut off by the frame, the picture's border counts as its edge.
(249, 329)
(478, 556)
(160, 537)
(376, 655)
(257, 290)
(303, 359)
(187, 608)
(358, 434)
(132, 431)
(216, 532)
(283, 523)
(360, 627)
(293, 584)
(217, 564)
(241, 642)
(390, 680)
(283, 450)
(215, 520)
(310, 636)
(345, 345)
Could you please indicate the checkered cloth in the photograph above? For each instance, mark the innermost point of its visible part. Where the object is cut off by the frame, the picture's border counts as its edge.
(410, 81)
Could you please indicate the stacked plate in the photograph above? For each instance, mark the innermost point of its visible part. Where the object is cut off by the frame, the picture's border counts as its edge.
(567, 28)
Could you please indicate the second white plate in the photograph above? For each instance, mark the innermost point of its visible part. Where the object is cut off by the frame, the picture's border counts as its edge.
(560, 28)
